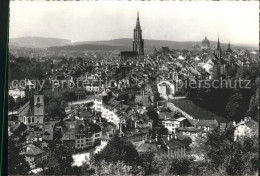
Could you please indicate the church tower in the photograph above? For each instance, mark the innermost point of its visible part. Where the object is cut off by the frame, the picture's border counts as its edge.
(38, 105)
(229, 50)
(138, 43)
(218, 50)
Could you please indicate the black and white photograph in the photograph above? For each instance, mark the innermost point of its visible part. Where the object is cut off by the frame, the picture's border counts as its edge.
(133, 88)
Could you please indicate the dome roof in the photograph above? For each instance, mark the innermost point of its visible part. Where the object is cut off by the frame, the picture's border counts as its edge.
(205, 40)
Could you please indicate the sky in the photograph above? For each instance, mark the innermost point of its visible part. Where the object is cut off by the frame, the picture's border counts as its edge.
(236, 21)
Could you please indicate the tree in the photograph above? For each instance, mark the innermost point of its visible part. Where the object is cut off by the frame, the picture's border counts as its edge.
(117, 168)
(17, 165)
(147, 162)
(238, 157)
(243, 73)
(77, 73)
(187, 141)
(21, 101)
(253, 110)
(235, 106)
(56, 108)
(163, 131)
(157, 97)
(123, 97)
(79, 60)
(59, 161)
(180, 166)
(69, 96)
(11, 103)
(116, 150)
(53, 109)
(153, 115)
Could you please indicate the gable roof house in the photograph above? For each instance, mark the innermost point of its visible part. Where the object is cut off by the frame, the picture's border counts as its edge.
(172, 147)
(246, 127)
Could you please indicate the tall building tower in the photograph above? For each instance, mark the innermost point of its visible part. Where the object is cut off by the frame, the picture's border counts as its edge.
(38, 105)
(229, 50)
(218, 50)
(205, 43)
(138, 43)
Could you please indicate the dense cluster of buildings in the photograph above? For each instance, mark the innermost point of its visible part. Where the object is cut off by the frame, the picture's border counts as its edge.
(134, 83)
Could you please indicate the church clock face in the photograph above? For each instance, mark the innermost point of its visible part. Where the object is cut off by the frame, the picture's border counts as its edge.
(38, 105)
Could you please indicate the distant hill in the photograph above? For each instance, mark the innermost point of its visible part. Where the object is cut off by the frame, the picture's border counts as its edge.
(151, 44)
(83, 47)
(37, 42)
(115, 44)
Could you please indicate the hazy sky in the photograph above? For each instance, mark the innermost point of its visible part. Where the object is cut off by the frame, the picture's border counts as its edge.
(177, 21)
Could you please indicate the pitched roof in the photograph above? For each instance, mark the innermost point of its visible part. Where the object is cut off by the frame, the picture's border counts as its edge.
(252, 124)
(147, 147)
(33, 150)
(171, 143)
(85, 114)
(165, 115)
(190, 129)
(47, 135)
(208, 123)
(24, 109)
(193, 122)
(68, 135)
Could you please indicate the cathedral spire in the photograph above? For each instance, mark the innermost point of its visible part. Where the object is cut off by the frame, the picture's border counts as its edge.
(218, 50)
(138, 26)
(218, 46)
(138, 43)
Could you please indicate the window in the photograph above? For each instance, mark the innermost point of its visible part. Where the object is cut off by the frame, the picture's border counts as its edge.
(38, 99)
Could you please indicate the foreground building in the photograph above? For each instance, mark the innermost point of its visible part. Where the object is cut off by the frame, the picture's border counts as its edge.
(246, 127)
(32, 115)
